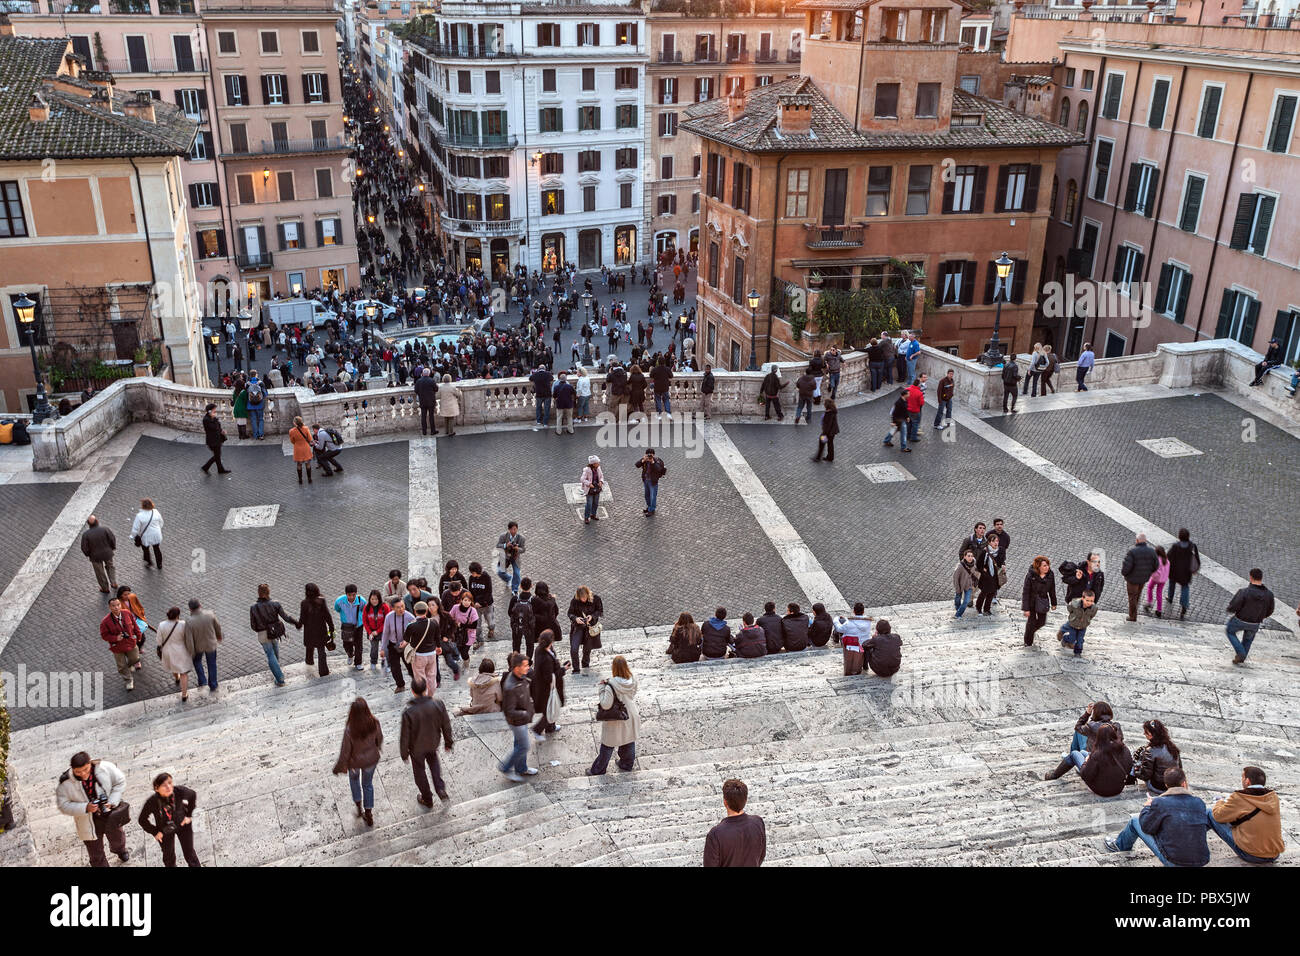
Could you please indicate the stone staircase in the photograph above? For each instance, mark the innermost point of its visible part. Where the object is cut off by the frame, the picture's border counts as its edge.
(939, 765)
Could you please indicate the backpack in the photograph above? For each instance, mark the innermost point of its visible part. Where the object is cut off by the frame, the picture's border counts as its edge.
(521, 618)
(658, 469)
(255, 394)
(335, 437)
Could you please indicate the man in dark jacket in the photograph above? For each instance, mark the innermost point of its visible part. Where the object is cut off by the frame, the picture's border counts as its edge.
(708, 385)
(1084, 576)
(661, 375)
(1173, 825)
(898, 418)
(517, 705)
(751, 641)
(883, 650)
(715, 634)
(770, 389)
(770, 622)
(1184, 561)
(1248, 607)
(741, 838)
(616, 382)
(794, 628)
(947, 387)
(424, 724)
(564, 395)
(541, 380)
(888, 352)
(99, 544)
(1139, 564)
(805, 385)
(426, 391)
(1010, 382)
(213, 436)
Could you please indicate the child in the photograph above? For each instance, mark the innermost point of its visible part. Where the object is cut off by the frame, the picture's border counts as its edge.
(1158, 579)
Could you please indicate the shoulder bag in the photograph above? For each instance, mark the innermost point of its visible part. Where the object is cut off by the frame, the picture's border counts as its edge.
(408, 652)
(616, 711)
(139, 542)
(163, 643)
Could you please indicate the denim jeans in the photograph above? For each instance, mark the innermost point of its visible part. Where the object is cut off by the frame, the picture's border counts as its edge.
(518, 759)
(1079, 375)
(584, 406)
(256, 420)
(902, 434)
(663, 403)
(943, 408)
(1182, 594)
(1224, 830)
(651, 494)
(913, 426)
(962, 601)
(272, 649)
(835, 383)
(543, 410)
(362, 783)
(511, 576)
(877, 374)
(911, 369)
(1134, 832)
(211, 677)
(626, 758)
(592, 504)
(803, 407)
(1074, 637)
(1234, 625)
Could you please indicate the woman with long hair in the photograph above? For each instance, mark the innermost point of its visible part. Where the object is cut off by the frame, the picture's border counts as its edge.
(146, 532)
(617, 731)
(176, 650)
(1038, 596)
(585, 611)
(317, 625)
(684, 644)
(363, 738)
(1158, 755)
(372, 622)
(636, 391)
(547, 671)
(303, 447)
(1104, 767)
(1086, 729)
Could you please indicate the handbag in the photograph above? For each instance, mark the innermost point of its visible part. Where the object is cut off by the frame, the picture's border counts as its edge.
(116, 818)
(408, 652)
(1002, 576)
(164, 643)
(138, 539)
(616, 711)
(553, 706)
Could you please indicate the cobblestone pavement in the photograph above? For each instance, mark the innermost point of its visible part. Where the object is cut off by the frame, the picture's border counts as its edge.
(28, 512)
(896, 542)
(1238, 497)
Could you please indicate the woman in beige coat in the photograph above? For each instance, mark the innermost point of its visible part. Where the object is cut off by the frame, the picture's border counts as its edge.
(622, 734)
(176, 649)
(448, 404)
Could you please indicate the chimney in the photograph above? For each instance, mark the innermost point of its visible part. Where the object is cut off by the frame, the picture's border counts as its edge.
(6, 28)
(735, 106)
(794, 113)
(140, 105)
(38, 110)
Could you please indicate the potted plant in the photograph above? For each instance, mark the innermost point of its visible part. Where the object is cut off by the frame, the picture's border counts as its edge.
(814, 280)
(143, 369)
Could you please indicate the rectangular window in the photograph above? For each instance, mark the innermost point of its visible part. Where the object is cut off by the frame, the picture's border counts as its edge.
(1172, 291)
(210, 244)
(1101, 169)
(625, 196)
(1088, 249)
(270, 41)
(275, 91)
(738, 280)
(236, 90)
(1254, 220)
(284, 180)
(703, 88)
(1069, 78)
(625, 117)
(878, 183)
(589, 161)
(1159, 100)
(1207, 123)
(1017, 188)
(588, 78)
(970, 84)
(496, 167)
(695, 202)
(625, 158)
(203, 195)
(202, 148)
(956, 282)
(324, 183)
(548, 81)
(244, 186)
(552, 202)
(667, 205)
(329, 232)
(741, 176)
(918, 191)
(668, 90)
(552, 164)
(667, 124)
(834, 195)
(280, 135)
(717, 176)
(695, 166)
(548, 34)
(239, 137)
(588, 198)
(1128, 268)
(796, 193)
(315, 88)
(1140, 195)
(310, 41)
(1087, 79)
(498, 207)
(588, 34)
(965, 191)
(226, 42)
(627, 78)
(1190, 216)
(550, 119)
(291, 235)
(588, 118)
(1280, 129)
(886, 100)
(464, 82)
(492, 81)
(1113, 96)
(666, 167)
(625, 34)
(927, 99)
(1238, 314)
(319, 132)
(713, 264)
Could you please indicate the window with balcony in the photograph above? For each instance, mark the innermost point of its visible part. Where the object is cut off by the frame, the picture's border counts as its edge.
(918, 191)
(796, 193)
(552, 202)
(498, 207)
(879, 179)
(834, 196)
(280, 135)
(238, 137)
(886, 101)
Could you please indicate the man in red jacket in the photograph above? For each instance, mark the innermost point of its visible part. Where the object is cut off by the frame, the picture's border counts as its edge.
(122, 633)
(915, 402)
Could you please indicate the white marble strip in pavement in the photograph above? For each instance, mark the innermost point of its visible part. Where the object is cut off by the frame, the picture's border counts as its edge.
(798, 557)
(1109, 507)
(62, 534)
(424, 514)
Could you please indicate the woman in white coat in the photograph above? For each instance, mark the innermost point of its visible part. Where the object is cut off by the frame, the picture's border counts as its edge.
(620, 688)
(176, 650)
(448, 404)
(146, 532)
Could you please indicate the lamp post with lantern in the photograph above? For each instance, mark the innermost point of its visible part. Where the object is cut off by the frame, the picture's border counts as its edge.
(993, 357)
(25, 309)
(753, 298)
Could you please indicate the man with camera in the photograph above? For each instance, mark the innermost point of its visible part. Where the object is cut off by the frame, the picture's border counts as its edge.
(510, 549)
(167, 816)
(90, 792)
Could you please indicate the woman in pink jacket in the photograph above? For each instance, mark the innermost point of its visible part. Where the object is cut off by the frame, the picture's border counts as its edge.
(1158, 579)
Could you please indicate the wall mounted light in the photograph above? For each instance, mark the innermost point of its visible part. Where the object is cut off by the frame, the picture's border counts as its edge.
(266, 174)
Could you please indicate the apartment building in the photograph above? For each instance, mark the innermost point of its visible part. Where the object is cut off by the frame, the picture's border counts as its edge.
(695, 56)
(269, 201)
(93, 225)
(530, 129)
(872, 165)
(1171, 221)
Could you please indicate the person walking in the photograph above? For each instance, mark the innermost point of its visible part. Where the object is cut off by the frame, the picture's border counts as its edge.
(1037, 596)
(899, 416)
(424, 635)
(363, 739)
(592, 484)
(708, 385)
(1157, 581)
(740, 839)
(1184, 562)
(119, 630)
(214, 436)
(1010, 380)
(1139, 564)
(547, 675)
(652, 469)
(349, 606)
(317, 626)
(255, 401)
(943, 400)
(805, 386)
(1086, 361)
(619, 719)
(1080, 612)
(517, 705)
(585, 610)
(91, 791)
(131, 605)
(834, 363)
(176, 650)
(99, 544)
(448, 405)
(1035, 370)
(393, 637)
(426, 393)
(303, 447)
(204, 631)
(830, 428)
(510, 549)
(265, 618)
(770, 392)
(146, 532)
(425, 724)
(372, 625)
(168, 817)
(965, 578)
(990, 562)
(1049, 370)
(1248, 609)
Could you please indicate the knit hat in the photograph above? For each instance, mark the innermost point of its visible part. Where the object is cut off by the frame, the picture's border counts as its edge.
(593, 460)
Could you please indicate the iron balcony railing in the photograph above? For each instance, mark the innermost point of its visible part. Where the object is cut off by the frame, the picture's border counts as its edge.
(259, 260)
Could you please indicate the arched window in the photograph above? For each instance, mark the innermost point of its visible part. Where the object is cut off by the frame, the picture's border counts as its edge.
(1071, 197)
(1056, 186)
(1065, 112)
(1082, 126)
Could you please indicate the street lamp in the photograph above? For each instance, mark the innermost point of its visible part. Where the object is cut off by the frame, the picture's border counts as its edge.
(993, 357)
(753, 328)
(26, 311)
(371, 309)
(215, 340)
(586, 300)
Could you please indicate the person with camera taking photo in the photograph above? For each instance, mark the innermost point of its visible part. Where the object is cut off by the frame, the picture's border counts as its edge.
(90, 791)
(510, 547)
(167, 816)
